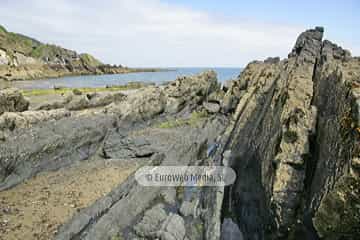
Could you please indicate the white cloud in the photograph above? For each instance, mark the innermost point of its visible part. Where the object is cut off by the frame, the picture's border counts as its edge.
(147, 32)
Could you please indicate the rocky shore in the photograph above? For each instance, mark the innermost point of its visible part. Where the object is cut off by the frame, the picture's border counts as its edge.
(289, 128)
(24, 58)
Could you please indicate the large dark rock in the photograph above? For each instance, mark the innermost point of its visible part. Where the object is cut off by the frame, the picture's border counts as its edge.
(50, 146)
(294, 139)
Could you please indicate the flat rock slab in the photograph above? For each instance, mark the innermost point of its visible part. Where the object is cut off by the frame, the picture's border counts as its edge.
(50, 146)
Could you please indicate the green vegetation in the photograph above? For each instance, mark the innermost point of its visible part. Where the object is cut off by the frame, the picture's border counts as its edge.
(192, 121)
(16, 42)
(117, 237)
(42, 92)
(2, 29)
(90, 60)
(40, 51)
(12, 42)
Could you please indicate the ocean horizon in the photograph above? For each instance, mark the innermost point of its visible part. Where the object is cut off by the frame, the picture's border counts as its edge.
(223, 74)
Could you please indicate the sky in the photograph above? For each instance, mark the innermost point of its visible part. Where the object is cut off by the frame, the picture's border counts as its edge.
(181, 33)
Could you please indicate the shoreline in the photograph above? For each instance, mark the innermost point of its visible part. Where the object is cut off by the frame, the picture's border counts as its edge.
(49, 73)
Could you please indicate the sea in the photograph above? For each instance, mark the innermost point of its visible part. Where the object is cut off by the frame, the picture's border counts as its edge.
(93, 81)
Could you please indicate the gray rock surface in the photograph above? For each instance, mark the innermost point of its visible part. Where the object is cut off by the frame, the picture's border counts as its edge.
(119, 146)
(169, 195)
(190, 90)
(76, 102)
(116, 213)
(27, 119)
(211, 107)
(150, 223)
(11, 100)
(173, 228)
(50, 146)
(230, 231)
(142, 105)
(289, 142)
(189, 208)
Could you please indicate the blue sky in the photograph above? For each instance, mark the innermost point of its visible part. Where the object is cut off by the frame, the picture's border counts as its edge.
(341, 19)
(151, 33)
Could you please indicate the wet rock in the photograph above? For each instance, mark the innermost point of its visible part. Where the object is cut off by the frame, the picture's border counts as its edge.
(11, 100)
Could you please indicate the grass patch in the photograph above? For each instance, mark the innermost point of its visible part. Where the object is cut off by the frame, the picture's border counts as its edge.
(42, 92)
(2, 29)
(117, 237)
(90, 60)
(192, 121)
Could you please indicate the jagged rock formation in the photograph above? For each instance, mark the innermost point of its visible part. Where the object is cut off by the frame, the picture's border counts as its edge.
(289, 128)
(295, 136)
(48, 127)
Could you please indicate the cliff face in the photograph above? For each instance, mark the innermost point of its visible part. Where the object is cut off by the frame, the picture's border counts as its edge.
(22, 57)
(294, 141)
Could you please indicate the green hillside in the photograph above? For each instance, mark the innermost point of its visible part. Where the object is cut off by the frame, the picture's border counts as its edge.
(11, 42)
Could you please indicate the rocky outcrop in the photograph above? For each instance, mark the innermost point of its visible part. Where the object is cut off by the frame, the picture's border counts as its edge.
(142, 105)
(293, 143)
(27, 119)
(132, 211)
(190, 90)
(11, 100)
(333, 194)
(184, 94)
(50, 146)
(78, 101)
(289, 128)
(4, 59)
